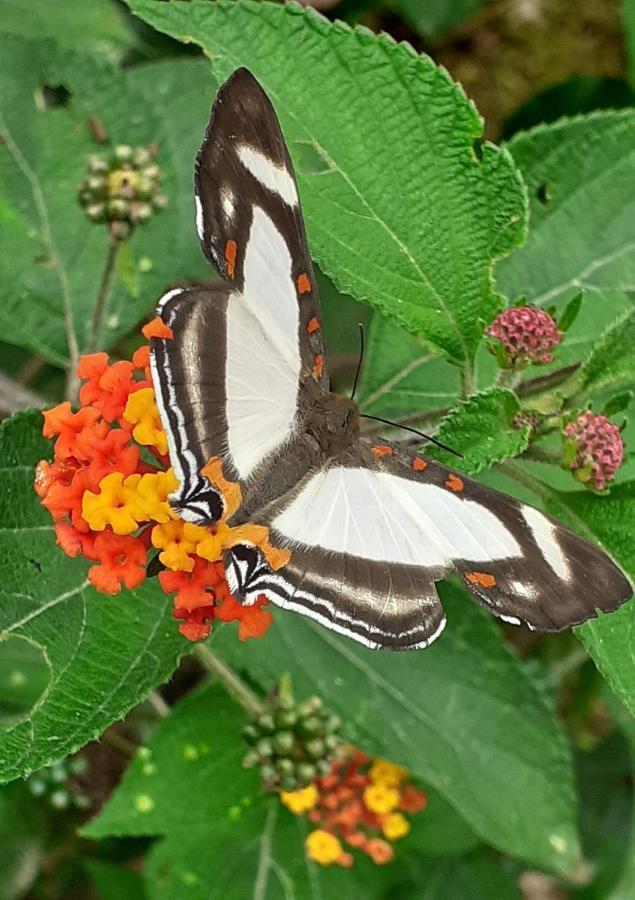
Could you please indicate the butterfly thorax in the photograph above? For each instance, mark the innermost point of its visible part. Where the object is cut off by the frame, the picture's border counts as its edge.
(334, 423)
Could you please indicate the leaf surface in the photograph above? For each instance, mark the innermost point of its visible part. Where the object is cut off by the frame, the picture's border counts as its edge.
(400, 210)
(463, 715)
(104, 654)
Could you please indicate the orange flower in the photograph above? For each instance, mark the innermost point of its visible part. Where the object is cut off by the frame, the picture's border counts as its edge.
(195, 625)
(157, 329)
(107, 386)
(122, 560)
(379, 851)
(63, 423)
(412, 800)
(254, 620)
(73, 542)
(193, 588)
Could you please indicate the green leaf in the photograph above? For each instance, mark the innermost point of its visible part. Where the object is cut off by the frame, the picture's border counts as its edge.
(571, 311)
(220, 837)
(24, 676)
(433, 17)
(400, 377)
(400, 209)
(482, 429)
(104, 654)
(611, 362)
(53, 258)
(463, 716)
(22, 836)
(580, 174)
(115, 882)
(97, 27)
(608, 520)
(618, 403)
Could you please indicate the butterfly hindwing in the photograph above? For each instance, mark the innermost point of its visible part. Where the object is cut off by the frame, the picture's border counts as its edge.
(372, 533)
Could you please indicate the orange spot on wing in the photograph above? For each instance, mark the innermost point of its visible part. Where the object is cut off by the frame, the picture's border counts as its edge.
(304, 285)
(229, 490)
(454, 483)
(482, 579)
(231, 248)
(258, 536)
(318, 368)
(419, 464)
(313, 325)
(382, 450)
(157, 329)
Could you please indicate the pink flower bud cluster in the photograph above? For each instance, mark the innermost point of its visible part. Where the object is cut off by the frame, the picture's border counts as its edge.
(527, 334)
(599, 449)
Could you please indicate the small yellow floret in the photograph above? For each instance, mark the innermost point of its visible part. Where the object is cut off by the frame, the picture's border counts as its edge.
(300, 801)
(395, 826)
(141, 411)
(323, 847)
(386, 772)
(114, 505)
(177, 540)
(152, 496)
(381, 798)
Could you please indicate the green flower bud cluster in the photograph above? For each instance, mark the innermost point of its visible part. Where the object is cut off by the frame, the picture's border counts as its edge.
(54, 784)
(292, 743)
(122, 189)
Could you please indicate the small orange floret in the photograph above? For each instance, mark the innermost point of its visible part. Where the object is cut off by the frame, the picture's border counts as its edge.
(253, 620)
(231, 248)
(304, 285)
(418, 464)
(379, 851)
(157, 328)
(313, 325)
(318, 368)
(382, 450)
(454, 483)
(121, 561)
(482, 579)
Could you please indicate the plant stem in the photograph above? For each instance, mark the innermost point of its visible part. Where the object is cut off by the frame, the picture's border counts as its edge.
(508, 378)
(99, 312)
(468, 386)
(539, 454)
(544, 382)
(236, 687)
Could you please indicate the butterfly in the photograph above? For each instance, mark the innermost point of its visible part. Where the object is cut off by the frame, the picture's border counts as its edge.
(350, 531)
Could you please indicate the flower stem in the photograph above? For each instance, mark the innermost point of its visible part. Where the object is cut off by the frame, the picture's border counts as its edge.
(236, 687)
(508, 378)
(97, 324)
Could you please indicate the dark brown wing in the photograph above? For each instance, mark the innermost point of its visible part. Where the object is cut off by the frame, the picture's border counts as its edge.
(371, 534)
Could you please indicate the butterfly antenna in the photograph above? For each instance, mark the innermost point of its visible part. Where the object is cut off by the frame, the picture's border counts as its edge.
(362, 335)
(426, 437)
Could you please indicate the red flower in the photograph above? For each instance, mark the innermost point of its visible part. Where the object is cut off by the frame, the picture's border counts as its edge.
(61, 422)
(122, 560)
(597, 449)
(194, 589)
(195, 625)
(73, 542)
(107, 386)
(254, 620)
(528, 334)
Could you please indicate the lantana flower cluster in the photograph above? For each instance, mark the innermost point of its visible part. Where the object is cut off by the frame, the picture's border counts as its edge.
(362, 804)
(107, 491)
(526, 335)
(593, 449)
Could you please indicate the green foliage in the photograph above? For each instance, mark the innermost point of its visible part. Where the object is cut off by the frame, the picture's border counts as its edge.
(51, 259)
(434, 17)
(464, 716)
(582, 232)
(408, 211)
(412, 225)
(483, 429)
(103, 655)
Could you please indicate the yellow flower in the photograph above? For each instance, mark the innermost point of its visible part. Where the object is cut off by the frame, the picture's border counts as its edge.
(395, 826)
(141, 411)
(177, 540)
(386, 772)
(114, 505)
(323, 847)
(300, 801)
(381, 798)
(152, 496)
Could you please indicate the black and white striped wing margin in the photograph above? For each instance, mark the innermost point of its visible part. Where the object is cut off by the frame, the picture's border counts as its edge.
(371, 535)
(246, 358)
